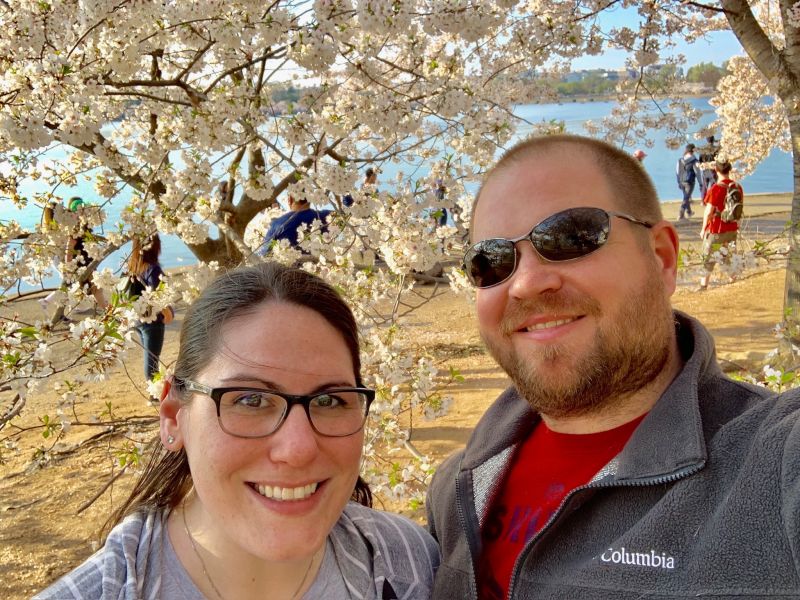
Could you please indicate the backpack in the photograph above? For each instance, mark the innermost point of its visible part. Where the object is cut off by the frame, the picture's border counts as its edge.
(686, 172)
(734, 203)
(130, 287)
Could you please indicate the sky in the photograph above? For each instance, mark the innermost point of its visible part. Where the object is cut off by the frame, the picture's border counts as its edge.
(719, 47)
(716, 48)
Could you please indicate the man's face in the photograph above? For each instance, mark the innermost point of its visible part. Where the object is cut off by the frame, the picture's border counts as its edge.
(572, 335)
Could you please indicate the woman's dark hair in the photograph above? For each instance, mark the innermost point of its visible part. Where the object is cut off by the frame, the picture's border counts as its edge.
(144, 254)
(166, 478)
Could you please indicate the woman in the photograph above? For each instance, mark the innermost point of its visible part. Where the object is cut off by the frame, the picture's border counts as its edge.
(249, 495)
(146, 273)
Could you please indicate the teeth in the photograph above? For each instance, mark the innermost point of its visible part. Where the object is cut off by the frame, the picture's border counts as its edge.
(279, 493)
(549, 324)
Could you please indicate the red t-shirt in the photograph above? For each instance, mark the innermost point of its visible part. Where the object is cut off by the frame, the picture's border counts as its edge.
(544, 469)
(716, 197)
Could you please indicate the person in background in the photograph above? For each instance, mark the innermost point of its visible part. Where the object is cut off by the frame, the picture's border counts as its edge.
(687, 172)
(146, 271)
(708, 175)
(622, 462)
(639, 155)
(76, 250)
(48, 224)
(285, 226)
(370, 179)
(716, 233)
(253, 490)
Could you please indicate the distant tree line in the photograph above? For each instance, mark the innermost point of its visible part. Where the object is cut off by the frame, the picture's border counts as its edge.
(657, 78)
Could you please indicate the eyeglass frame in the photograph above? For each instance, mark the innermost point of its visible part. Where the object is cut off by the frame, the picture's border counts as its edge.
(304, 400)
(527, 236)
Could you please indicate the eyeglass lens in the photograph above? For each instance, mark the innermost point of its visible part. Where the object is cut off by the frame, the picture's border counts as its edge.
(566, 235)
(248, 413)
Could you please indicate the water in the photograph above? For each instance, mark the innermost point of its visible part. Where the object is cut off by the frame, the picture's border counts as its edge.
(773, 175)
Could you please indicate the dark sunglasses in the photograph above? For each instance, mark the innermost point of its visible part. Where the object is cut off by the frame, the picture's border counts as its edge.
(566, 235)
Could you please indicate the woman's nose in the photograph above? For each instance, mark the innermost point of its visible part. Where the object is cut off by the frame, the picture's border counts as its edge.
(295, 442)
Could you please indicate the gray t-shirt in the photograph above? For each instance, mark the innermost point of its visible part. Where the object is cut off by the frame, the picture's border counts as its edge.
(370, 555)
(176, 583)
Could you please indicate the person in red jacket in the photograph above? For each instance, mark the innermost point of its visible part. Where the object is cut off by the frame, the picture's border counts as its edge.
(715, 232)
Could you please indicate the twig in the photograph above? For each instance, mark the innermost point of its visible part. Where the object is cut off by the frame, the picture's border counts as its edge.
(94, 498)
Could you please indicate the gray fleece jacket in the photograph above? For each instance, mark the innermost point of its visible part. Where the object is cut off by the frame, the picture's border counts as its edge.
(703, 501)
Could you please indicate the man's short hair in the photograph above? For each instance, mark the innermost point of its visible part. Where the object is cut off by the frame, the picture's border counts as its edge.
(689, 147)
(633, 189)
(723, 167)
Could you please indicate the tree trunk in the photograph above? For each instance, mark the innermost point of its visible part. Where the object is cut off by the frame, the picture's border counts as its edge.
(791, 301)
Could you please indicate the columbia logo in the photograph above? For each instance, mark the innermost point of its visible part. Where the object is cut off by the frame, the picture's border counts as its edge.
(650, 559)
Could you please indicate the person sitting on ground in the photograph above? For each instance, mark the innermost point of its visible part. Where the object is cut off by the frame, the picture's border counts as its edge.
(285, 227)
(370, 179)
(253, 488)
(716, 233)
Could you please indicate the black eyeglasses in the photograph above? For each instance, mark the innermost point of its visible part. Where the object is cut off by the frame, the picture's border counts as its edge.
(566, 235)
(255, 412)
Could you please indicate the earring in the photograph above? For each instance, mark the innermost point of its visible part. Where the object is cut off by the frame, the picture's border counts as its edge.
(170, 439)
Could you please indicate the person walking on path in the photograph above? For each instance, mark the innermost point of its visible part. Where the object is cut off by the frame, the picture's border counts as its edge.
(708, 175)
(687, 172)
(622, 462)
(146, 273)
(718, 234)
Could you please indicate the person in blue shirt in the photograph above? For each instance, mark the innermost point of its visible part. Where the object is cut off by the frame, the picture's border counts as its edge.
(687, 172)
(285, 227)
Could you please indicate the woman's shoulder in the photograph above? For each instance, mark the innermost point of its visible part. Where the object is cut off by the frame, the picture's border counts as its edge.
(108, 568)
(402, 553)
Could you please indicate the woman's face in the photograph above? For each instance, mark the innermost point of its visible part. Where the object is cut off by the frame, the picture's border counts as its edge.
(286, 348)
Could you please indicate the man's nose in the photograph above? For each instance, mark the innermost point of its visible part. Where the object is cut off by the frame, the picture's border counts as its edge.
(534, 274)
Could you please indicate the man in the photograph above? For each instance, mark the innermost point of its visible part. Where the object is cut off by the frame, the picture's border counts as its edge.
(687, 173)
(285, 227)
(718, 233)
(708, 176)
(370, 180)
(622, 463)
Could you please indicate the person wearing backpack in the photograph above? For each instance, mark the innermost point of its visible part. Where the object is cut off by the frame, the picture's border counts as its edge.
(687, 173)
(724, 202)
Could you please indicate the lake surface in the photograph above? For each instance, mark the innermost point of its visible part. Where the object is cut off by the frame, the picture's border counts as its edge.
(773, 175)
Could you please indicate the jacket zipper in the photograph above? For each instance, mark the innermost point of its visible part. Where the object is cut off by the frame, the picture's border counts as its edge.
(554, 517)
(462, 519)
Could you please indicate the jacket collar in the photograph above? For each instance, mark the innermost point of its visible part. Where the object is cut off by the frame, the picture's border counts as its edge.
(668, 440)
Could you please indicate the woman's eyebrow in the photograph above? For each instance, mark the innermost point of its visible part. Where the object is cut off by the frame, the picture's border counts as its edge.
(248, 379)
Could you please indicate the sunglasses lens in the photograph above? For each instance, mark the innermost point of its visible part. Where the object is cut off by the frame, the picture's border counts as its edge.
(571, 233)
(489, 262)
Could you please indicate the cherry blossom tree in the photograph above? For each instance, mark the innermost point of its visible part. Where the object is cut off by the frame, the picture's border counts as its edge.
(160, 102)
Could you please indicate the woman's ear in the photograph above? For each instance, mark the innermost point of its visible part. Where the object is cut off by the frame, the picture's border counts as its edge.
(169, 427)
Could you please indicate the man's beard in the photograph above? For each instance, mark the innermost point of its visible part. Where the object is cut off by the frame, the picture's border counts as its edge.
(626, 355)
